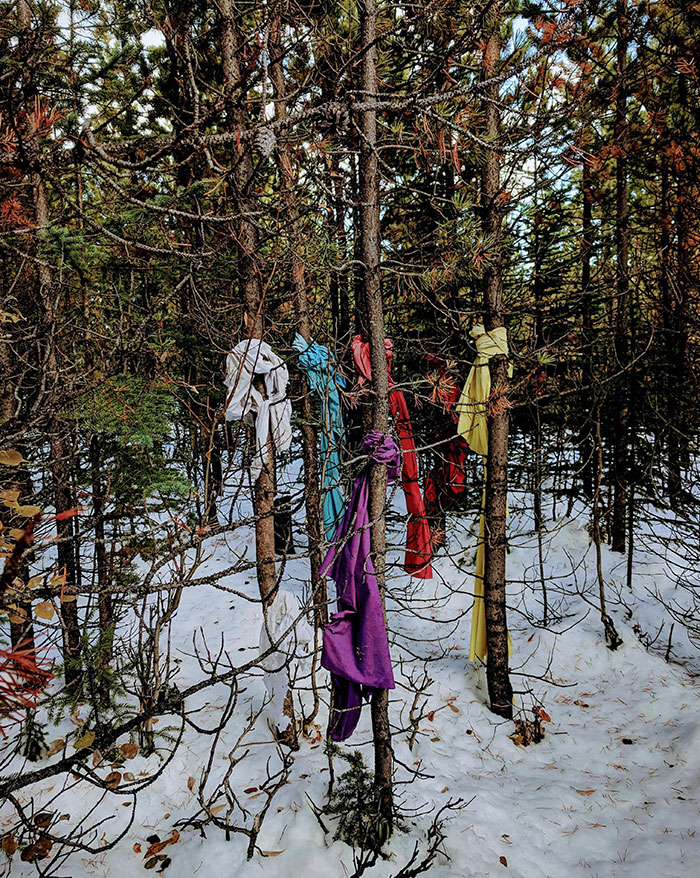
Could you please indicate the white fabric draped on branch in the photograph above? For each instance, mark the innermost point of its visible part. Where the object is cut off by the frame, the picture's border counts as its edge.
(270, 414)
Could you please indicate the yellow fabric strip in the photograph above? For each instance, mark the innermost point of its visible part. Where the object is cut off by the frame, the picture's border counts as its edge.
(471, 407)
(473, 427)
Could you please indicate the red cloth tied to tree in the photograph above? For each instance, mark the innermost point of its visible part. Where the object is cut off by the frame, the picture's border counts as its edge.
(418, 551)
(446, 481)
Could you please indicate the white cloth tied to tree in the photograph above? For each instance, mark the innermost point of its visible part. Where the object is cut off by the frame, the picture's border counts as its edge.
(271, 413)
(294, 641)
(473, 427)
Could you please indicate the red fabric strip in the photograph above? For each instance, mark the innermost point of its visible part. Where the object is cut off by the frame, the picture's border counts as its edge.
(418, 551)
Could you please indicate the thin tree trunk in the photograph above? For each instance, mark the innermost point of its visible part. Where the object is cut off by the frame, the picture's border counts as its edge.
(21, 625)
(612, 638)
(538, 342)
(312, 493)
(58, 447)
(668, 305)
(251, 287)
(59, 456)
(374, 313)
(538, 514)
(106, 616)
(621, 433)
(679, 341)
(586, 441)
(498, 679)
(247, 240)
(309, 439)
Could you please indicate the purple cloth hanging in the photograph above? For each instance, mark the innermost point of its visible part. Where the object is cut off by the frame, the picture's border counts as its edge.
(355, 642)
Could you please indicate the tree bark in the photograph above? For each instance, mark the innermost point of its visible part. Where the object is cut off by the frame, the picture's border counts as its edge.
(242, 173)
(621, 430)
(21, 625)
(676, 340)
(247, 241)
(668, 309)
(58, 447)
(106, 616)
(497, 675)
(586, 441)
(290, 217)
(374, 312)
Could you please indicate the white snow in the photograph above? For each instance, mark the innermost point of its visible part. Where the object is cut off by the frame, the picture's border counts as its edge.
(612, 790)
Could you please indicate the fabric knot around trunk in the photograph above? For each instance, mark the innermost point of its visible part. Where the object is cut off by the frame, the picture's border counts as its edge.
(418, 550)
(355, 641)
(317, 363)
(473, 427)
(472, 405)
(383, 449)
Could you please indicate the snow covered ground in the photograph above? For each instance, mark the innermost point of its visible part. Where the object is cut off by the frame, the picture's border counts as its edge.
(612, 789)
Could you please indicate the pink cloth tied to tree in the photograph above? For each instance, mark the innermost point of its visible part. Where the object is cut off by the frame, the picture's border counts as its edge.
(355, 641)
(418, 549)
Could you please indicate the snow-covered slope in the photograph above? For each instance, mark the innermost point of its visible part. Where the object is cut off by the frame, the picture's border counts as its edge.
(611, 790)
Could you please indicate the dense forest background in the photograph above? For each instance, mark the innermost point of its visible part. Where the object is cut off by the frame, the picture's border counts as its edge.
(178, 177)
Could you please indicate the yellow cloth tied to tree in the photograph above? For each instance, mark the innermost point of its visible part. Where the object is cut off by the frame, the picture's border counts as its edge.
(473, 427)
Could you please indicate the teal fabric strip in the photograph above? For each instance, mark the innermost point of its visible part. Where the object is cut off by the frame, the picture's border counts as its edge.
(321, 372)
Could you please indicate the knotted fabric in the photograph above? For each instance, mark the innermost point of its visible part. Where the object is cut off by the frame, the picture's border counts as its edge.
(418, 551)
(355, 642)
(320, 369)
(473, 426)
(471, 408)
(269, 413)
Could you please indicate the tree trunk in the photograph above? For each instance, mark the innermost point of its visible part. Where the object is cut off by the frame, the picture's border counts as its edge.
(668, 311)
(497, 675)
(586, 441)
(247, 241)
(677, 336)
(290, 218)
(374, 313)
(612, 638)
(232, 42)
(621, 430)
(106, 616)
(58, 447)
(21, 625)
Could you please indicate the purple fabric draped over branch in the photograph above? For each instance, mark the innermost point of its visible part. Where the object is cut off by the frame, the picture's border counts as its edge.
(355, 642)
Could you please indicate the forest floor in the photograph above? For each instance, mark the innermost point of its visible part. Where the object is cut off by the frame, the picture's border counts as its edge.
(612, 789)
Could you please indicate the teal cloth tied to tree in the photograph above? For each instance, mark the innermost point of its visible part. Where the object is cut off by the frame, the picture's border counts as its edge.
(317, 363)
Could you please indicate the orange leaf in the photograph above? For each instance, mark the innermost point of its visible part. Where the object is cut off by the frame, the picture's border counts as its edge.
(158, 846)
(68, 513)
